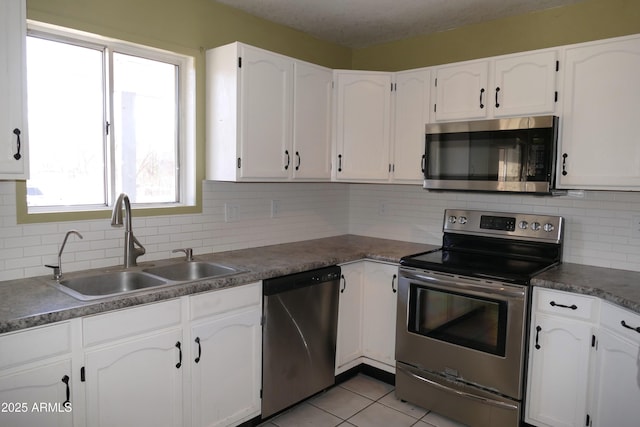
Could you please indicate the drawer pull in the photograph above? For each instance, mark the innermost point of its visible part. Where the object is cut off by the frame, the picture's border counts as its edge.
(197, 359)
(623, 323)
(572, 307)
(538, 329)
(65, 380)
(344, 281)
(393, 287)
(179, 347)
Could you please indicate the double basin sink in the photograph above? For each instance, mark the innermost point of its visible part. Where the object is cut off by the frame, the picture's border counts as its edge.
(114, 283)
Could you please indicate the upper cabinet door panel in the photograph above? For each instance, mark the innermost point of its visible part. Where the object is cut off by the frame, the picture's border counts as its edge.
(599, 137)
(13, 96)
(411, 116)
(524, 84)
(312, 122)
(461, 91)
(363, 117)
(265, 125)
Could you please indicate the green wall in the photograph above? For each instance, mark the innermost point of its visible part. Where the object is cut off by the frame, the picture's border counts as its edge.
(584, 21)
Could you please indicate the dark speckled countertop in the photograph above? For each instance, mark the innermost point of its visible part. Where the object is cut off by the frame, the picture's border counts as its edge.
(34, 301)
(620, 287)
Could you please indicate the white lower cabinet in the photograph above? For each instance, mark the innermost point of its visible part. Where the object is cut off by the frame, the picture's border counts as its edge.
(226, 356)
(366, 316)
(584, 364)
(35, 377)
(380, 300)
(616, 397)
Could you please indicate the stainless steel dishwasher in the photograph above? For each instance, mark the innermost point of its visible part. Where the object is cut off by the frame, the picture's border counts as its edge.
(298, 336)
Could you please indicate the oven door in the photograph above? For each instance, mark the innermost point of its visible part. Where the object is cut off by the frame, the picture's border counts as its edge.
(467, 330)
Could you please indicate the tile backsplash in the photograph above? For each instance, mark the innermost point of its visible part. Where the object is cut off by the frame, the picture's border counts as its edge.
(599, 226)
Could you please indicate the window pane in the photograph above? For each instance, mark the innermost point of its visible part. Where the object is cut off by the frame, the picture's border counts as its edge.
(145, 117)
(66, 124)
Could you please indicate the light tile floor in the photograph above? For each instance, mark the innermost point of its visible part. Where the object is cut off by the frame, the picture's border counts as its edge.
(360, 401)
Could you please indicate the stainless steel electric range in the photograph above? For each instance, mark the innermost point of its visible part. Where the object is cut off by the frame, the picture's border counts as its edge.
(463, 311)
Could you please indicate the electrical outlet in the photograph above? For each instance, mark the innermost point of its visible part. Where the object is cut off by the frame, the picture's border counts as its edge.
(635, 226)
(231, 212)
(275, 208)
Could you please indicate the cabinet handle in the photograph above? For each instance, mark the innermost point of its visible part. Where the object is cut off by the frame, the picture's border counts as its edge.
(179, 347)
(423, 164)
(344, 281)
(65, 380)
(564, 164)
(298, 158)
(637, 329)
(17, 156)
(286, 153)
(572, 306)
(481, 93)
(339, 162)
(197, 359)
(393, 279)
(497, 103)
(538, 329)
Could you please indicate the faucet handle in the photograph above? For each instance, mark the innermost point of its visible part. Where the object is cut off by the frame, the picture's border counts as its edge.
(57, 271)
(187, 251)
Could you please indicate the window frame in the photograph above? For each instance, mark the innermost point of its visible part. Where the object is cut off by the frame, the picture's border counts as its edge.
(186, 134)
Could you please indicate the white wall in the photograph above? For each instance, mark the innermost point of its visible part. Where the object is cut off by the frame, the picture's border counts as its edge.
(599, 226)
(307, 211)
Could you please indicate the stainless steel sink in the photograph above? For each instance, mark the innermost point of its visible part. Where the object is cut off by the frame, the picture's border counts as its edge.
(192, 270)
(108, 284)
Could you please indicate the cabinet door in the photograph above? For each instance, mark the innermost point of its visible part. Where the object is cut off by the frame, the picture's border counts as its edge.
(558, 371)
(461, 91)
(349, 342)
(380, 300)
(136, 383)
(40, 396)
(599, 136)
(311, 157)
(226, 369)
(13, 96)
(363, 115)
(411, 116)
(266, 82)
(524, 85)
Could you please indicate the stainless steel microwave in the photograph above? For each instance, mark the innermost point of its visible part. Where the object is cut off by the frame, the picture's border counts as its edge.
(515, 154)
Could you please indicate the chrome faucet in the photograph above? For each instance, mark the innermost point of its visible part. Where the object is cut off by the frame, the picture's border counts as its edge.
(57, 269)
(131, 252)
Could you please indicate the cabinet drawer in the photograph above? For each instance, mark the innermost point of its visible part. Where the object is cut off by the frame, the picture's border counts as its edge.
(129, 322)
(566, 304)
(612, 317)
(220, 301)
(34, 344)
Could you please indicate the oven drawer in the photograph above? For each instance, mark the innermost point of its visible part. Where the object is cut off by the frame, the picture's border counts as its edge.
(466, 404)
(566, 304)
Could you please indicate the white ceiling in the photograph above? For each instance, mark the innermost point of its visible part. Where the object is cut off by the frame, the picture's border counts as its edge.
(361, 23)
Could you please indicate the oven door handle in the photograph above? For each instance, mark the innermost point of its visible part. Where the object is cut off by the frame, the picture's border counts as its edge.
(458, 392)
(463, 284)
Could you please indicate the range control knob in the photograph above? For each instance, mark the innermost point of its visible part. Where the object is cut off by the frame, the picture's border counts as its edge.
(452, 219)
(535, 226)
(548, 227)
(462, 220)
(522, 225)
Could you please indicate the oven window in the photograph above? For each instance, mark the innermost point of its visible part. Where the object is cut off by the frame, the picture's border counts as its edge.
(470, 321)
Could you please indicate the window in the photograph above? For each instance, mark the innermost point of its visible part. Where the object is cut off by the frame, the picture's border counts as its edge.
(107, 117)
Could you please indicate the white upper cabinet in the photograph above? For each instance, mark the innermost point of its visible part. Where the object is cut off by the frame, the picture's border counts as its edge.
(363, 115)
(13, 95)
(511, 85)
(461, 91)
(599, 145)
(311, 154)
(411, 114)
(268, 116)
